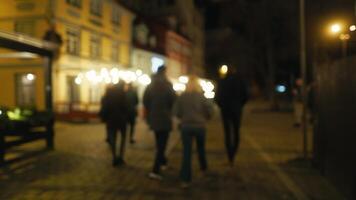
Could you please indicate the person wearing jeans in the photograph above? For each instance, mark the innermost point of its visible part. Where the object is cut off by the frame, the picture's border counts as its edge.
(161, 144)
(188, 134)
(193, 110)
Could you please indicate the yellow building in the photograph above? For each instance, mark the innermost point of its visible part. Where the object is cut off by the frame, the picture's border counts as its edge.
(96, 34)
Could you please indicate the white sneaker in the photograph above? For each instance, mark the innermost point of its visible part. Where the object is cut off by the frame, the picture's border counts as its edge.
(155, 176)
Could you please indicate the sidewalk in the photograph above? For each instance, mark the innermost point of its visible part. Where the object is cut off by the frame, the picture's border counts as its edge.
(80, 167)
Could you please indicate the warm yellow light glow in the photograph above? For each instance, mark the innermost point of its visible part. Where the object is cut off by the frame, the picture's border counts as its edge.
(344, 36)
(91, 75)
(144, 79)
(223, 69)
(179, 87)
(352, 28)
(183, 79)
(335, 28)
(209, 95)
(78, 80)
(30, 77)
(138, 72)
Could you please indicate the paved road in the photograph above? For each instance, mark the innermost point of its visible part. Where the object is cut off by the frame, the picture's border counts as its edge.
(80, 167)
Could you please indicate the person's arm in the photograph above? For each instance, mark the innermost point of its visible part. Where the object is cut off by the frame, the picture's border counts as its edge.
(177, 108)
(245, 93)
(147, 98)
(208, 108)
(218, 94)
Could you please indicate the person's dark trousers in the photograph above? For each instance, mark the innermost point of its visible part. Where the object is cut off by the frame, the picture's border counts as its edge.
(232, 121)
(132, 124)
(188, 134)
(161, 144)
(112, 134)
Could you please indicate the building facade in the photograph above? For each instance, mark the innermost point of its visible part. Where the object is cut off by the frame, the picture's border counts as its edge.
(96, 34)
(155, 44)
(182, 16)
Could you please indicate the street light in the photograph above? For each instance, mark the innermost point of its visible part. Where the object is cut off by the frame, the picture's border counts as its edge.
(335, 28)
(223, 70)
(352, 28)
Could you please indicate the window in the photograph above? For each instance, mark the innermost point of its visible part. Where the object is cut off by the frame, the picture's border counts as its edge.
(115, 16)
(96, 7)
(25, 27)
(95, 93)
(73, 90)
(25, 89)
(76, 3)
(115, 51)
(73, 41)
(95, 46)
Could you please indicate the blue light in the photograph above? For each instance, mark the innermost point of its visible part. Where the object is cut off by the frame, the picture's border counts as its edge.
(281, 88)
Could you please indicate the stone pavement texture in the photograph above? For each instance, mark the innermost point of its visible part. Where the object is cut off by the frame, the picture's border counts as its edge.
(80, 168)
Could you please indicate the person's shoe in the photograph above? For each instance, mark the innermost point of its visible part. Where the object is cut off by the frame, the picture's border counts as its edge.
(185, 185)
(115, 162)
(118, 162)
(155, 176)
(164, 167)
(121, 161)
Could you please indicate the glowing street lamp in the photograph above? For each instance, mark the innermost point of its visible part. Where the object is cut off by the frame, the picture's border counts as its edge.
(352, 28)
(223, 70)
(335, 28)
(30, 77)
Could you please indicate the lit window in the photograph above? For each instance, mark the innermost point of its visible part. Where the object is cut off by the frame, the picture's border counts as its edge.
(95, 46)
(115, 17)
(25, 89)
(76, 3)
(115, 51)
(26, 27)
(95, 93)
(73, 90)
(73, 41)
(96, 7)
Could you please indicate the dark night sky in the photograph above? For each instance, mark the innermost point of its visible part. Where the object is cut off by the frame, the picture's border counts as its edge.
(256, 29)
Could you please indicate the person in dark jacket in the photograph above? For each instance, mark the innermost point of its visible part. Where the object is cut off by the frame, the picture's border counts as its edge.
(132, 102)
(158, 100)
(231, 96)
(114, 113)
(193, 110)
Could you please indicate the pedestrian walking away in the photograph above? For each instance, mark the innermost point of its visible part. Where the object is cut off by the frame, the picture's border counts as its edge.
(231, 96)
(158, 100)
(132, 102)
(193, 110)
(114, 113)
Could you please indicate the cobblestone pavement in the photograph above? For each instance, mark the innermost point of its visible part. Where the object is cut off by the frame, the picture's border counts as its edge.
(80, 168)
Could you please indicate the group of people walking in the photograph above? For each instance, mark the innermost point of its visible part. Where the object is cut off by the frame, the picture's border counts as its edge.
(193, 110)
(118, 111)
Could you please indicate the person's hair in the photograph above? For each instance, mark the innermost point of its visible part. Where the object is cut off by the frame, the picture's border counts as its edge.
(161, 69)
(193, 84)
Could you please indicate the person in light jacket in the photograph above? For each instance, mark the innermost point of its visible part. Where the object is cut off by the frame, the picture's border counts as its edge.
(193, 110)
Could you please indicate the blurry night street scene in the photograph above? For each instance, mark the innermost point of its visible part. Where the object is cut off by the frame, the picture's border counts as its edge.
(178, 99)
